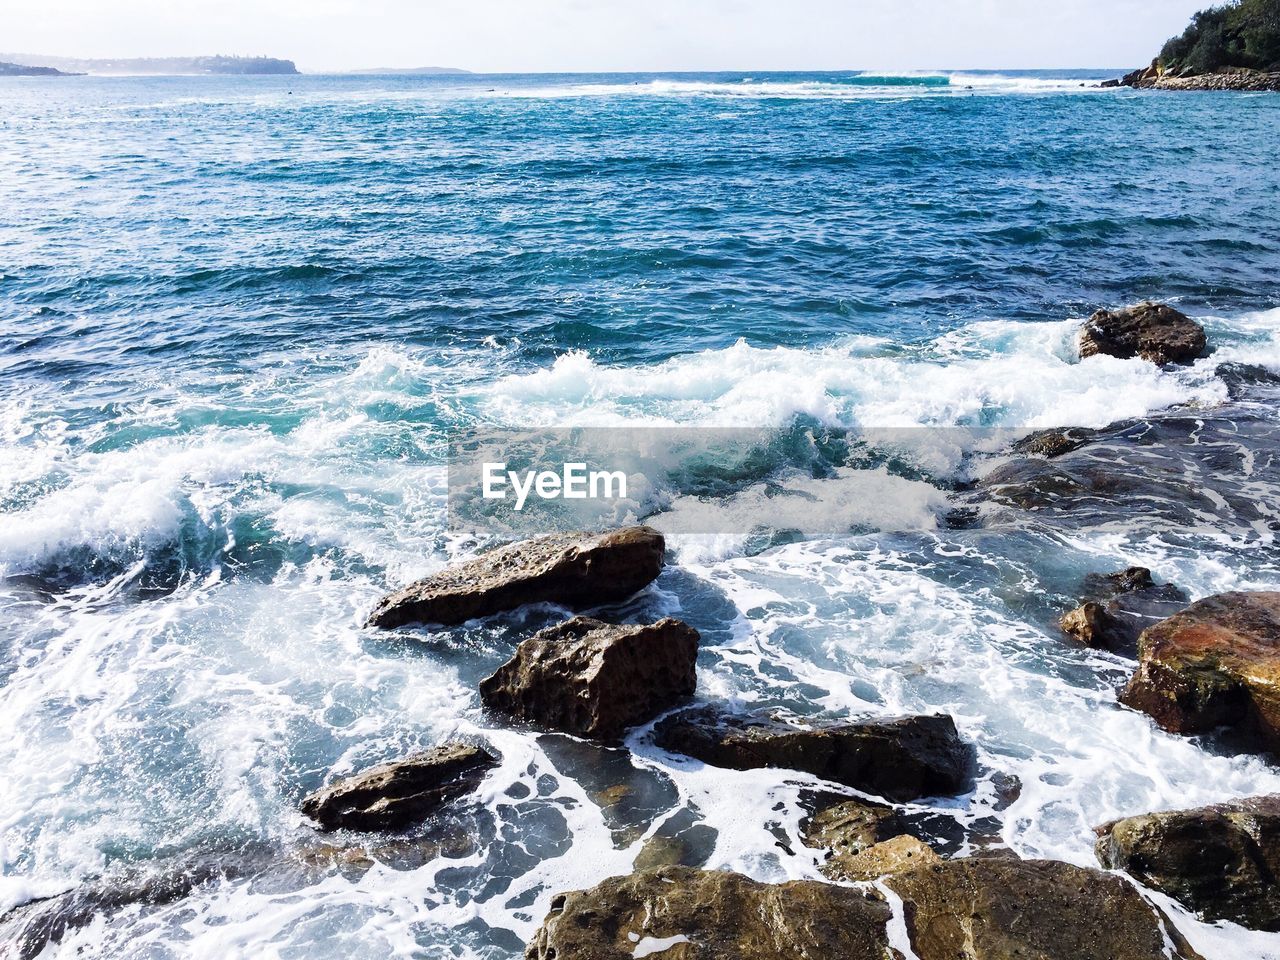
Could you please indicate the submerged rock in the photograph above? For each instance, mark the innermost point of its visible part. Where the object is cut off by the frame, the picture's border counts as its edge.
(596, 679)
(1152, 331)
(903, 758)
(394, 795)
(1216, 664)
(1119, 606)
(571, 569)
(1221, 861)
(996, 908)
(679, 913)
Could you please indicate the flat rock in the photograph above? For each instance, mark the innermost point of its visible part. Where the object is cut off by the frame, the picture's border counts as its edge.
(902, 758)
(1221, 861)
(394, 795)
(677, 913)
(998, 908)
(1117, 607)
(1152, 331)
(974, 909)
(881, 859)
(574, 570)
(848, 828)
(596, 679)
(1216, 664)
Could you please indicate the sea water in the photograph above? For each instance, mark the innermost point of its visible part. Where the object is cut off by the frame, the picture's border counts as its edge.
(241, 317)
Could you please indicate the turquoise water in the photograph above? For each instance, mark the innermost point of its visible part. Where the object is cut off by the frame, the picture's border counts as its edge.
(240, 316)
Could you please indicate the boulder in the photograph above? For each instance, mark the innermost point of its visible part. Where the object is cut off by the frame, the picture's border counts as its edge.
(975, 909)
(677, 913)
(1117, 607)
(1216, 664)
(1221, 861)
(902, 758)
(1152, 331)
(394, 795)
(596, 679)
(574, 570)
(1053, 443)
(996, 908)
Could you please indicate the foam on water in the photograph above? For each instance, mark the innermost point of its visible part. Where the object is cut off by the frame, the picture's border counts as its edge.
(205, 712)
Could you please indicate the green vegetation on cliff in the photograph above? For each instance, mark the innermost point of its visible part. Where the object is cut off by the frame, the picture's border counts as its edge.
(1244, 34)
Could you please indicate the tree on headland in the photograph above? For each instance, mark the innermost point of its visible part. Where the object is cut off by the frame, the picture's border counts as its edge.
(1240, 35)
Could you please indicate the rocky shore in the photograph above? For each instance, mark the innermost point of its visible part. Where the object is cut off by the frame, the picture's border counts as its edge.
(1209, 667)
(1153, 78)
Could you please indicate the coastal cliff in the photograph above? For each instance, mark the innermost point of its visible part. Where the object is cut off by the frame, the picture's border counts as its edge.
(1231, 47)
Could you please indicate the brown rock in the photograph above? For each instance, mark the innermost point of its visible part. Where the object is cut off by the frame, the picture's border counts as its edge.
(903, 758)
(998, 908)
(396, 794)
(575, 570)
(1152, 331)
(1216, 664)
(676, 913)
(596, 679)
(848, 828)
(1118, 606)
(881, 859)
(1221, 861)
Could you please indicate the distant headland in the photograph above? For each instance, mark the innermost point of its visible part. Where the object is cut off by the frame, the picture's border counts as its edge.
(153, 66)
(23, 70)
(1231, 47)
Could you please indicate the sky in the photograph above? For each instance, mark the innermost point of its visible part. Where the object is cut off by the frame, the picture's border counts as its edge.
(609, 35)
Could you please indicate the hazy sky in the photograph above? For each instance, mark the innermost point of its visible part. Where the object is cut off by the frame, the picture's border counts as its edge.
(550, 35)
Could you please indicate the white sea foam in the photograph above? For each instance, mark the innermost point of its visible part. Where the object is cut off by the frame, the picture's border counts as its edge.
(201, 714)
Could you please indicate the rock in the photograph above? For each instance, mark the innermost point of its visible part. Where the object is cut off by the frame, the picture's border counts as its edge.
(848, 828)
(1053, 443)
(901, 853)
(997, 908)
(677, 913)
(1216, 664)
(1118, 607)
(1152, 331)
(1220, 861)
(394, 795)
(904, 758)
(596, 679)
(989, 908)
(574, 570)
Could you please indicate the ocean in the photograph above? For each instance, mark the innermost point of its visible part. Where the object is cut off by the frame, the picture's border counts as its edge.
(240, 319)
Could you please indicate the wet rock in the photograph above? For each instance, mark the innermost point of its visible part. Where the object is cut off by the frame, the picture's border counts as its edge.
(903, 758)
(1216, 664)
(596, 679)
(1117, 607)
(1053, 443)
(901, 853)
(996, 908)
(678, 913)
(848, 828)
(27, 930)
(394, 795)
(574, 570)
(1221, 861)
(1152, 331)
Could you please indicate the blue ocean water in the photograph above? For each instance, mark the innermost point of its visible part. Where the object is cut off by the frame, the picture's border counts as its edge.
(239, 318)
